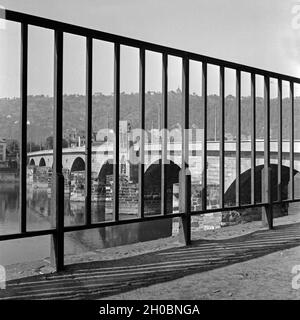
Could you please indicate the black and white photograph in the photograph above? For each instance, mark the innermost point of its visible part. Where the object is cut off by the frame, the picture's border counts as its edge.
(149, 151)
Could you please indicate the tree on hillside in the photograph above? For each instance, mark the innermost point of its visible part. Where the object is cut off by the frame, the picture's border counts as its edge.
(74, 114)
(50, 142)
(32, 147)
(12, 147)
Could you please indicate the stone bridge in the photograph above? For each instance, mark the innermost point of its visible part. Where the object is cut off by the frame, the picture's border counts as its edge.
(102, 159)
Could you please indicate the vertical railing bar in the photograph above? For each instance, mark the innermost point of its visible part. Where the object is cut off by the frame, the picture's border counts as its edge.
(238, 136)
(204, 139)
(58, 183)
(116, 131)
(185, 178)
(266, 137)
(185, 132)
(88, 128)
(23, 122)
(253, 137)
(292, 141)
(142, 138)
(279, 189)
(164, 126)
(222, 127)
(267, 198)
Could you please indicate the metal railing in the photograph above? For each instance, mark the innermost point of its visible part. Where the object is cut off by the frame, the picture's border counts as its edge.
(59, 29)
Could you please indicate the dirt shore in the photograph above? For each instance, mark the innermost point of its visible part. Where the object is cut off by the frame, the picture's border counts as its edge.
(268, 277)
(252, 269)
(26, 269)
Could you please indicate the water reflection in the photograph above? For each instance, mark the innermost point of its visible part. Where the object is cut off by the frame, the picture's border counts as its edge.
(39, 217)
(9, 208)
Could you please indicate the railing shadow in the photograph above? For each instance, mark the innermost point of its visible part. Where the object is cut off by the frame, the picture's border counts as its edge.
(99, 279)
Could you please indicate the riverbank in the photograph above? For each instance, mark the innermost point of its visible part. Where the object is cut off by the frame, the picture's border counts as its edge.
(244, 261)
(43, 266)
(199, 268)
(267, 277)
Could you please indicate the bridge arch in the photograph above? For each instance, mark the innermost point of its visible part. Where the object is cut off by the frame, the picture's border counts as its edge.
(153, 172)
(42, 162)
(105, 170)
(32, 162)
(245, 184)
(155, 159)
(152, 186)
(78, 164)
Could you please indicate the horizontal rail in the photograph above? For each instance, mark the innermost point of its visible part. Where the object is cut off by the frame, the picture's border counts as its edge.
(105, 36)
(129, 221)
(27, 234)
(121, 222)
(155, 217)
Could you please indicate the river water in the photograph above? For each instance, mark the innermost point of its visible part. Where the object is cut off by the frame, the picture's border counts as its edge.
(39, 218)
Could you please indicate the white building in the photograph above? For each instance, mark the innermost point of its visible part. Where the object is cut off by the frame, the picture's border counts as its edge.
(2, 150)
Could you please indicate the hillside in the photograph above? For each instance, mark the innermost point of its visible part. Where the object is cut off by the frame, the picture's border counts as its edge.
(40, 114)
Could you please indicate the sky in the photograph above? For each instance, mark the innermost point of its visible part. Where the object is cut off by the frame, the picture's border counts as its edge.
(258, 33)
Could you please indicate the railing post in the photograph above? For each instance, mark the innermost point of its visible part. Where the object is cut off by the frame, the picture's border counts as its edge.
(204, 138)
(267, 210)
(279, 174)
(185, 206)
(253, 138)
(142, 124)
(291, 134)
(163, 130)
(222, 137)
(88, 128)
(23, 121)
(116, 120)
(185, 174)
(57, 241)
(238, 138)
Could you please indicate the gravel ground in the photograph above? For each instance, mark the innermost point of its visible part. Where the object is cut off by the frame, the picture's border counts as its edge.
(26, 269)
(268, 277)
(251, 273)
